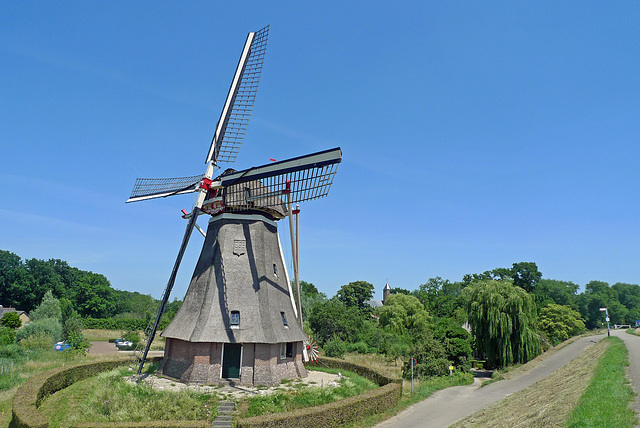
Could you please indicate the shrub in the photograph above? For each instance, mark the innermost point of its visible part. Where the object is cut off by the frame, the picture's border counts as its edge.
(133, 337)
(37, 341)
(71, 327)
(431, 358)
(48, 308)
(7, 336)
(49, 326)
(13, 352)
(11, 320)
(359, 347)
(335, 347)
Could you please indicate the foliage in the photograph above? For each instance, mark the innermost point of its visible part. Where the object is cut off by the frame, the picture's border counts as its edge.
(334, 347)
(354, 294)
(560, 323)
(46, 326)
(78, 342)
(607, 400)
(334, 318)
(48, 308)
(502, 320)
(402, 314)
(349, 385)
(11, 320)
(431, 358)
(132, 336)
(441, 298)
(456, 342)
(598, 295)
(38, 341)
(7, 336)
(558, 292)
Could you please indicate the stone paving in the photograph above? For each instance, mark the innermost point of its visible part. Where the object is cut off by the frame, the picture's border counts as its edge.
(314, 378)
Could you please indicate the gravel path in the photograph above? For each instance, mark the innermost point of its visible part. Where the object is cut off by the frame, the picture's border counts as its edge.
(449, 405)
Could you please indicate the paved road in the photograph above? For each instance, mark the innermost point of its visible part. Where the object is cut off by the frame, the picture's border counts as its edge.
(633, 372)
(449, 405)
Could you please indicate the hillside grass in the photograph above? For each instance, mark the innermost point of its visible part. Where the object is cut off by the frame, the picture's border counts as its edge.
(109, 397)
(606, 401)
(302, 395)
(20, 364)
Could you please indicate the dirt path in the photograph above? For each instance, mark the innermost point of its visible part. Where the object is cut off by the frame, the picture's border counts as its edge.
(102, 348)
(452, 404)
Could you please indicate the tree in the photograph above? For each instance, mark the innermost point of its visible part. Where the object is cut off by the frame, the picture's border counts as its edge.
(560, 323)
(354, 294)
(402, 314)
(525, 275)
(11, 320)
(502, 320)
(333, 318)
(599, 294)
(559, 292)
(48, 308)
(95, 295)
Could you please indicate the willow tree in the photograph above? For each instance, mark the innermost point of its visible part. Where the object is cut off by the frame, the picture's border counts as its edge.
(502, 320)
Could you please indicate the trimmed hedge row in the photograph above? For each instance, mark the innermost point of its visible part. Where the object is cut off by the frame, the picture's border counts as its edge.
(339, 412)
(29, 396)
(150, 424)
(121, 323)
(367, 373)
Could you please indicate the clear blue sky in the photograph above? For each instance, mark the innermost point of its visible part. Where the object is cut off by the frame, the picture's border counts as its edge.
(474, 134)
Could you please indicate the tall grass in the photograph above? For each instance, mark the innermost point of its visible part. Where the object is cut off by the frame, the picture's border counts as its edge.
(307, 396)
(606, 400)
(108, 397)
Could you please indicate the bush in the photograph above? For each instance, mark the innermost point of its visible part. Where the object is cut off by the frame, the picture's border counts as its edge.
(37, 341)
(7, 336)
(14, 352)
(72, 326)
(359, 347)
(11, 320)
(334, 347)
(431, 358)
(48, 326)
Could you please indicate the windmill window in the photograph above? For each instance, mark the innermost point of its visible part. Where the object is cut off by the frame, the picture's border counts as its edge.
(275, 270)
(284, 319)
(235, 319)
(286, 350)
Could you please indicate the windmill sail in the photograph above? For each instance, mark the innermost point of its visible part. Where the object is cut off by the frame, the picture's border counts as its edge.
(304, 178)
(239, 104)
(150, 188)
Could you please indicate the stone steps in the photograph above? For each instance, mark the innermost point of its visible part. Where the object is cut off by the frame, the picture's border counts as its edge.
(224, 419)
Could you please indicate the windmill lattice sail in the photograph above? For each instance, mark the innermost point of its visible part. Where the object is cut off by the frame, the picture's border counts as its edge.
(235, 115)
(304, 178)
(150, 188)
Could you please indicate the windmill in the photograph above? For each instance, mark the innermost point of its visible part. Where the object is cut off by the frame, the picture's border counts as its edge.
(239, 319)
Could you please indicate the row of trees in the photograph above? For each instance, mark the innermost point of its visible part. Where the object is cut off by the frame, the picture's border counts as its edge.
(511, 312)
(23, 284)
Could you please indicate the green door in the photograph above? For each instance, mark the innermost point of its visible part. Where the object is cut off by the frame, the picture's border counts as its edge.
(231, 360)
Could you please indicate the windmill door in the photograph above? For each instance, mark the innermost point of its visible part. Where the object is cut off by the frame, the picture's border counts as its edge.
(231, 360)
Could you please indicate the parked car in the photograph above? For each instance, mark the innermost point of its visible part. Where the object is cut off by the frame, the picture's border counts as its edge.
(61, 346)
(124, 345)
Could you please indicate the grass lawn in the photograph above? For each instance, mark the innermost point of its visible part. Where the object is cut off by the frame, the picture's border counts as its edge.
(606, 400)
(306, 396)
(108, 397)
(18, 364)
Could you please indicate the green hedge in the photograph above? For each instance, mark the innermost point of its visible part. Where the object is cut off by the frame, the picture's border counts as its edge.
(340, 412)
(30, 395)
(150, 424)
(367, 373)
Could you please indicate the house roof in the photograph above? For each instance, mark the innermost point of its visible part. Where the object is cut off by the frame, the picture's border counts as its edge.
(7, 310)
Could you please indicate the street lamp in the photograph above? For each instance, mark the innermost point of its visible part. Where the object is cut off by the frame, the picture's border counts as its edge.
(607, 318)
